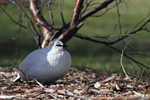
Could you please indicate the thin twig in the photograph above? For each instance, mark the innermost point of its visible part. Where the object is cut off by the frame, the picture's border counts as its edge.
(16, 38)
(141, 76)
(105, 43)
(121, 59)
(50, 14)
(40, 21)
(73, 28)
(131, 33)
(106, 37)
(13, 19)
(24, 76)
(141, 21)
(4, 77)
(107, 9)
(86, 6)
(62, 16)
(38, 83)
(37, 37)
(96, 9)
(118, 13)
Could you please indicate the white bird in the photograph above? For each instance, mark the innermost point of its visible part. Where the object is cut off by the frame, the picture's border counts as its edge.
(46, 65)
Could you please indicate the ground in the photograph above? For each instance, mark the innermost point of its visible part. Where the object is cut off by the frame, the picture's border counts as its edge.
(77, 84)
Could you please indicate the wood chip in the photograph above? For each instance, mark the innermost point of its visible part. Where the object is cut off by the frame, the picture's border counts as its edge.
(109, 79)
(89, 87)
(97, 85)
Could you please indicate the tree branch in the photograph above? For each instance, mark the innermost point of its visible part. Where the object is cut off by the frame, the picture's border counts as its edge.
(73, 28)
(62, 16)
(67, 30)
(104, 43)
(131, 33)
(13, 19)
(50, 14)
(96, 9)
(35, 33)
(44, 27)
(118, 13)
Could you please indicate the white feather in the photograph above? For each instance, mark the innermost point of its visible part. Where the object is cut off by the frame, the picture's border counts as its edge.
(46, 65)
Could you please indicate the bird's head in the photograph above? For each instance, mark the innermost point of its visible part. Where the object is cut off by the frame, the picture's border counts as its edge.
(58, 45)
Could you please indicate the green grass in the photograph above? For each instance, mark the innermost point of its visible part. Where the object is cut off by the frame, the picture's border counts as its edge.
(84, 53)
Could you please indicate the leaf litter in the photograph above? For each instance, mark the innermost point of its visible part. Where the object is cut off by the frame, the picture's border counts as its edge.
(77, 84)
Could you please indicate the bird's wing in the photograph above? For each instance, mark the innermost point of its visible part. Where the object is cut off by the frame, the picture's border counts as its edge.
(34, 60)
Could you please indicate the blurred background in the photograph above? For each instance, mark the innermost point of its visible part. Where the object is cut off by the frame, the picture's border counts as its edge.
(15, 45)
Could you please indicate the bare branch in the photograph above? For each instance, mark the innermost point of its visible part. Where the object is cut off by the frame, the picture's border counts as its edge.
(96, 9)
(118, 13)
(73, 28)
(96, 41)
(68, 30)
(13, 19)
(50, 14)
(62, 16)
(76, 13)
(140, 22)
(90, 39)
(131, 33)
(86, 6)
(105, 37)
(40, 22)
(59, 32)
(38, 18)
(37, 37)
(81, 18)
(107, 9)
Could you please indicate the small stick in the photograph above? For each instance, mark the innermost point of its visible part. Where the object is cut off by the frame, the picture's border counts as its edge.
(24, 76)
(38, 83)
(141, 76)
(122, 59)
(4, 77)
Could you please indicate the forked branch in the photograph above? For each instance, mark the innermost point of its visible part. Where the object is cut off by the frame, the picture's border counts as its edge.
(73, 28)
(43, 25)
(95, 10)
(26, 17)
(66, 32)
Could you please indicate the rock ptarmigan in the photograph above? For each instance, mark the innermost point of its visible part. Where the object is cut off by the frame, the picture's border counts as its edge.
(46, 65)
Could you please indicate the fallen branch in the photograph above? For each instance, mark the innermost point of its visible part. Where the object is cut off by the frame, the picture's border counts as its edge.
(121, 59)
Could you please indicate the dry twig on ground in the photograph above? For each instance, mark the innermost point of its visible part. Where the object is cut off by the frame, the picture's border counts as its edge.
(77, 84)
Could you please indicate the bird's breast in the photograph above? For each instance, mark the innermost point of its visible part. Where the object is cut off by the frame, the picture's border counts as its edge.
(55, 59)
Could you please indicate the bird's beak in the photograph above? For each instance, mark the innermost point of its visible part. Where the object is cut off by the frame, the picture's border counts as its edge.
(64, 45)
